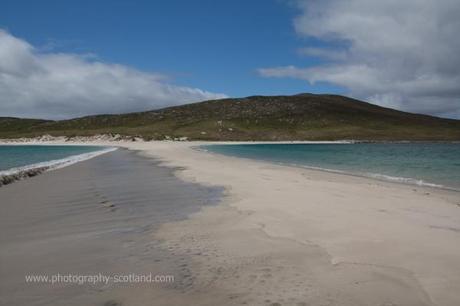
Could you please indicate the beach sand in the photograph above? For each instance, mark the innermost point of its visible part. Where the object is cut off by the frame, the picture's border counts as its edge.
(290, 236)
(94, 218)
(301, 237)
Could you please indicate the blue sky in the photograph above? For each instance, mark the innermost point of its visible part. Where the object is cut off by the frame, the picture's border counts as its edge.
(214, 45)
(61, 59)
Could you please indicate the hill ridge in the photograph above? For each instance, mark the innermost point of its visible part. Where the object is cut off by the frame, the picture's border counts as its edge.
(298, 117)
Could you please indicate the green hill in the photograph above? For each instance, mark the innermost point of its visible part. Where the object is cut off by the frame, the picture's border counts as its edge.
(298, 117)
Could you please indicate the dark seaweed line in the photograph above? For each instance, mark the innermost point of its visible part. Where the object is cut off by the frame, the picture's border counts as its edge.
(23, 174)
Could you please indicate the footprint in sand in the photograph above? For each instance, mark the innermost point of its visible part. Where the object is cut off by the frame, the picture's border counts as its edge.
(108, 204)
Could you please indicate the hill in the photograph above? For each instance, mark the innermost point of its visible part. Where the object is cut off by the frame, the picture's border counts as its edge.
(298, 117)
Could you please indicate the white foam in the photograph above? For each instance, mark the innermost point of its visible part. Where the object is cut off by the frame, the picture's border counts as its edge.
(57, 163)
(405, 180)
(378, 176)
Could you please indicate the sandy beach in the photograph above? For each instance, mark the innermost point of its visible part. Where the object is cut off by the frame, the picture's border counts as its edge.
(230, 153)
(93, 218)
(290, 236)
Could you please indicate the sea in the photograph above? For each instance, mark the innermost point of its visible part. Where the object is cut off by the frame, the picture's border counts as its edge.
(423, 164)
(16, 158)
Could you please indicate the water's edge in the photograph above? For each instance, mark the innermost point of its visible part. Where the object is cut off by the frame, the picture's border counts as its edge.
(408, 181)
(18, 173)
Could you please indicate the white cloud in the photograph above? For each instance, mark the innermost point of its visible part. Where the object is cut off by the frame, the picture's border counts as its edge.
(325, 53)
(403, 54)
(61, 85)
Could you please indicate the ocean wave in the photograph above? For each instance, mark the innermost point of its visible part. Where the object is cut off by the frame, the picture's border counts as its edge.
(405, 180)
(377, 176)
(18, 173)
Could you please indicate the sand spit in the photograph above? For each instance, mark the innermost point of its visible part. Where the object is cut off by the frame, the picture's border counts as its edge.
(291, 236)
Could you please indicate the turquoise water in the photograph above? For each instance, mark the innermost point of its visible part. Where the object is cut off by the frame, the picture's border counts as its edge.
(413, 163)
(24, 155)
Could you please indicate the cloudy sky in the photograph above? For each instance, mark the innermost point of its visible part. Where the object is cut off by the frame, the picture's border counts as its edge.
(60, 59)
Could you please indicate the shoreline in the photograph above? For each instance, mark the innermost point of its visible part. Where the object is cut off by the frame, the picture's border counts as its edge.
(284, 235)
(77, 140)
(139, 146)
(14, 174)
(407, 181)
(196, 145)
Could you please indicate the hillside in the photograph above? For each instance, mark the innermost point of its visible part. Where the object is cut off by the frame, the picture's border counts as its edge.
(298, 117)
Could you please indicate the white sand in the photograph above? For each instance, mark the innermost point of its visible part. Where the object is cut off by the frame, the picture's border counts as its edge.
(291, 236)
(318, 237)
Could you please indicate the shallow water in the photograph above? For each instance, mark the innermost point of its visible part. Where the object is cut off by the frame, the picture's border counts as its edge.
(14, 156)
(431, 164)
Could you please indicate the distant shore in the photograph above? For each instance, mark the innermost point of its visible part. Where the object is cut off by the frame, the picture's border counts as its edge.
(291, 236)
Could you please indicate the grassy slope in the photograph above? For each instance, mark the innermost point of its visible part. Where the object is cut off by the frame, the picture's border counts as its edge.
(16, 126)
(300, 117)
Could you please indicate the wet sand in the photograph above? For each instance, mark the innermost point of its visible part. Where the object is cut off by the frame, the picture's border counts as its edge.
(94, 217)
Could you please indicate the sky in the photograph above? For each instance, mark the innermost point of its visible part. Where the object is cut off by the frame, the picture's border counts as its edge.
(62, 59)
